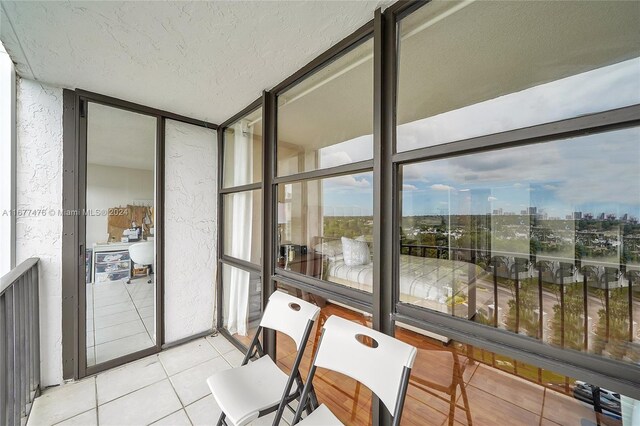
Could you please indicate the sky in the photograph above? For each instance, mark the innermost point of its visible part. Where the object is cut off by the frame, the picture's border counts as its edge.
(595, 173)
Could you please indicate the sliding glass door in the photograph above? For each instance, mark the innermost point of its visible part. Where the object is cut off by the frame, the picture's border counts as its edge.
(119, 223)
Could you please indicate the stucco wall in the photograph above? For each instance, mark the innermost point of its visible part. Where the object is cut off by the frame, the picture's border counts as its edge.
(190, 229)
(39, 186)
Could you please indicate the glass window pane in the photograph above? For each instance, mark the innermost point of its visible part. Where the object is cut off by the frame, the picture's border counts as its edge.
(485, 387)
(509, 65)
(242, 225)
(541, 240)
(242, 163)
(327, 119)
(242, 302)
(120, 256)
(325, 229)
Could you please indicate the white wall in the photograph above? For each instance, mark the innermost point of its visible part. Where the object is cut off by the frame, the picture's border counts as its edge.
(7, 155)
(108, 187)
(190, 219)
(39, 186)
(190, 229)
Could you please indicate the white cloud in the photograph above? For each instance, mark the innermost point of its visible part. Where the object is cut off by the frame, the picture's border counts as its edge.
(492, 199)
(409, 187)
(441, 187)
(347, 181)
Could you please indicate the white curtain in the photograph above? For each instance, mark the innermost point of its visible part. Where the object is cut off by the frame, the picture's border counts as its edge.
(241, 223)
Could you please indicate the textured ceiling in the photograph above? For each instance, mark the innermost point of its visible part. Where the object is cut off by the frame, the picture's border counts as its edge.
(205, 60)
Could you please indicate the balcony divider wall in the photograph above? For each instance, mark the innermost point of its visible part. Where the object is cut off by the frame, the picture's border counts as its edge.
(384, 302)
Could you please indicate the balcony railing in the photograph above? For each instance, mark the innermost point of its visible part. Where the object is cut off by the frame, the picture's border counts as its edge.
(19, 342)
(556, 276)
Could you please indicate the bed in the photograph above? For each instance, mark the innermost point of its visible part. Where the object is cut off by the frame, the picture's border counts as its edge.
(424, 281)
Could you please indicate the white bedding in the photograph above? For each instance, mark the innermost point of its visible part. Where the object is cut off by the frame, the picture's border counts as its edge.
(425, 281)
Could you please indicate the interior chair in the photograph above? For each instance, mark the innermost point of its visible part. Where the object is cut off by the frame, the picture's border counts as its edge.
(376, 360)
(142, 254)
(259, 387)
(444, 375)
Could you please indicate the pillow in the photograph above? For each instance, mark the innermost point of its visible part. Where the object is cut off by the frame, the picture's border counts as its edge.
(329, 248)
(355, 252)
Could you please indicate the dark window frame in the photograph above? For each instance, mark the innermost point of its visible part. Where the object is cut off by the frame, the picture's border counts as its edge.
(622, 377)
(223, 259)
(384, 302)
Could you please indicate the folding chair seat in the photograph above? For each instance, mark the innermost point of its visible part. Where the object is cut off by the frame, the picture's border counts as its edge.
(260, 387)
(378, 361)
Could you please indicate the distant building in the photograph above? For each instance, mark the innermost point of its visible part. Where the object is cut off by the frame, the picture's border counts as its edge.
(577, 215)
(601, 216)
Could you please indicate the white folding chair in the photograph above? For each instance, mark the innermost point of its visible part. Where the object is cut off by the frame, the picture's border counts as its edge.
(378, 361)
(258, 388)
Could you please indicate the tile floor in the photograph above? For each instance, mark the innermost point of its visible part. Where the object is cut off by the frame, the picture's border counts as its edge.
(165, 389)
(120, 318)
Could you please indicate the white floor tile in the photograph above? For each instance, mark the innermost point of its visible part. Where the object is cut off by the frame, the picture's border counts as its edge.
(234, 358)
(147, 311)
(145, 302)
(150, 324)
(89, 418)
(120, 347)
(111, 300)
(115, 332)
(221, 344)
(179, 418)
(120, 381)
(114, 309)
(204, 412)
(191, 384)
(186, 356)
(63, 402)
(141, 407)
(115, 319)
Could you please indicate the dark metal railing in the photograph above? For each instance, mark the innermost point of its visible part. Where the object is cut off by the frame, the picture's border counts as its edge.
(596, 274)
(19, 342)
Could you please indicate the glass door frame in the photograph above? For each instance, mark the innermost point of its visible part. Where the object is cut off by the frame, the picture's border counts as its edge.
(75, 105)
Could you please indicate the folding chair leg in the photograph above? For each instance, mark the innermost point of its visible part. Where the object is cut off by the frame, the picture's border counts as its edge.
(313, 399)
(221, 421)
(452, 406)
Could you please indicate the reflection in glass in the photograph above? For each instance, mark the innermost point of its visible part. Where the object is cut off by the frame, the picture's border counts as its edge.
(326, 229)
(349, 400)
(463, 383)
(242, 163)
(541, 240)
(242, 301)
(242, 233)
(120, 255)
(524, 63)
(327, 119)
